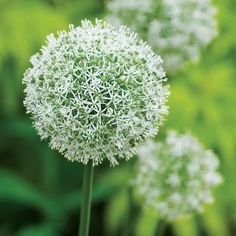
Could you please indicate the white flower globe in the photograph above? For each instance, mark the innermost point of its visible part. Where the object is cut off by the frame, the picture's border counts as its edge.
(176, 177)
(176, 29)
(95, 92)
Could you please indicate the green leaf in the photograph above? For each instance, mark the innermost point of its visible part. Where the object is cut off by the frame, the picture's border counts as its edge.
(186, 226)
(215, 222)
(39, 230)
(147, 222)
(15, 189)
(116, 212)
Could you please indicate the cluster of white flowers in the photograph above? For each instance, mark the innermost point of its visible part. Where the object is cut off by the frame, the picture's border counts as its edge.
(177, 30)
(95, 92)
(177, 176)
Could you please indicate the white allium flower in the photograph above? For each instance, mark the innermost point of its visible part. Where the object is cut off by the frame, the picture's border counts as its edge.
(177, 176)
(95, 92)
(176, 29)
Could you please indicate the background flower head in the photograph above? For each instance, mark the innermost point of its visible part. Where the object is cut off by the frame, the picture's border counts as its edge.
(177, 176)
(177, 30)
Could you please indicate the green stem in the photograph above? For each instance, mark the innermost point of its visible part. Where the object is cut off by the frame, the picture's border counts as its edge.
(128, 228)
(160, 230)
(86, 199)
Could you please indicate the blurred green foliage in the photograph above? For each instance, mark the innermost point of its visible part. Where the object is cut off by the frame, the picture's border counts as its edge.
(40, 192)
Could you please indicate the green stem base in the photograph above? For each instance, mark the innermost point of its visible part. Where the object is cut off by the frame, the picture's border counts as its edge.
(161, 227)
(86, 199)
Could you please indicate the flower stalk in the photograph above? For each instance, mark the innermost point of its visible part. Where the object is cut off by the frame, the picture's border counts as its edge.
(86, 199)
(161, 227)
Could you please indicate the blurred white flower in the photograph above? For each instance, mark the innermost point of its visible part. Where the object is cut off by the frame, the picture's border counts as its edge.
(95, 92)
(175, 29)
(182, 181)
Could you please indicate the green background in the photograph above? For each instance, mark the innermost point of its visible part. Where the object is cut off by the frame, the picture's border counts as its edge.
(40, 192)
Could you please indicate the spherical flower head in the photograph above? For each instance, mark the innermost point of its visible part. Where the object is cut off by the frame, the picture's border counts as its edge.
(95, 92)
(176, 177)
(177, 30)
